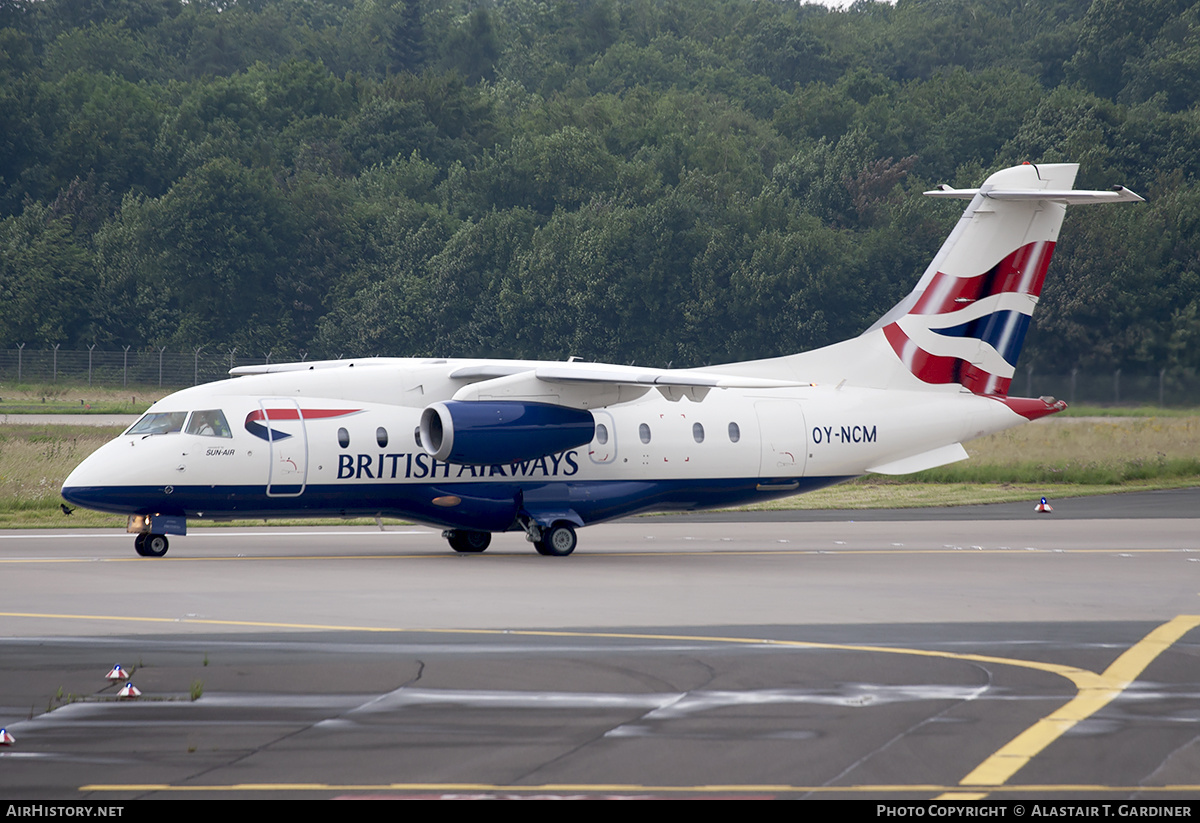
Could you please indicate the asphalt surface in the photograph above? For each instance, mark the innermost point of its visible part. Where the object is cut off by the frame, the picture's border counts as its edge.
(866, 656)
(1138, 505)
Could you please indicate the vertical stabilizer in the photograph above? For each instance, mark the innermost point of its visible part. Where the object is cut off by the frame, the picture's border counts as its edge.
(963, 325)
(965, 321)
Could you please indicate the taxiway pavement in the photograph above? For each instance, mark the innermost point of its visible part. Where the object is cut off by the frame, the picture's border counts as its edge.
(1029, 657)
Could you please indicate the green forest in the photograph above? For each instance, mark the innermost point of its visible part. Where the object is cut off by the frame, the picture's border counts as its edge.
(655, 181)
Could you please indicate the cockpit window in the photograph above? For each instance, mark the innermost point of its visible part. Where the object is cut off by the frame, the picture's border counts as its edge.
(159, 423)
(209, 423)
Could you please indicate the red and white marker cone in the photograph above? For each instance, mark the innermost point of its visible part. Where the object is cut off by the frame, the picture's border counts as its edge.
(6, 739)
(117, 673)
(1043, 507)
(129, 690)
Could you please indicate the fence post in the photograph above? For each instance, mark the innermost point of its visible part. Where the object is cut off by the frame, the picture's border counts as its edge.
(1029, 380)
(91, 348)
(1162, 374)
(160, 358)
(125, 369)
(56, 345)
(1117, 386)
(196, 367)
(231, 351)
(20, 351)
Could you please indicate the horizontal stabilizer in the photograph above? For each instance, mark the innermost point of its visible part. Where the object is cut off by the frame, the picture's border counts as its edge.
(1071, 197)
(925, 460)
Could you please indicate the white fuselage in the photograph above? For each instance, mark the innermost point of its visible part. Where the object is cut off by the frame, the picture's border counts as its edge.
(350, 447)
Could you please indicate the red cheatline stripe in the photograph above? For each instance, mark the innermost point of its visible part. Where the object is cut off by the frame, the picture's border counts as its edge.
(293, 414)
(312, 414)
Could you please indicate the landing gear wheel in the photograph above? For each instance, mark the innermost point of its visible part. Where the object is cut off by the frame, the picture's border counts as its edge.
(151, 545)
(465, 541)
(557, 541)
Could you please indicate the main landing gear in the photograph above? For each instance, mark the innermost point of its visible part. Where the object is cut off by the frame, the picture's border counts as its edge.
(558, 540)
(465, 541)
(151, 545)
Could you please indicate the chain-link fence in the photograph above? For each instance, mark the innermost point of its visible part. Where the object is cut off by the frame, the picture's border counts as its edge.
(1120, 387)
(168, 369)
(126, 367)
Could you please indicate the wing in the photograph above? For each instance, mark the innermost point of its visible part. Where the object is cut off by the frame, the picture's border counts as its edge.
(594, 385)
(574, 384)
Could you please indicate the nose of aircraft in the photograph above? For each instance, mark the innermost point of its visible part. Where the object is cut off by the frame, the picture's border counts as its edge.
(84, 485)
(100, 482)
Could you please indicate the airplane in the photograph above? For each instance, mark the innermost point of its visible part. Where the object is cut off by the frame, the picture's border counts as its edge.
(478, 446)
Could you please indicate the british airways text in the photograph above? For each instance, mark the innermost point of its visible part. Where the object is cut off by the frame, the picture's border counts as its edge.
(415, 466)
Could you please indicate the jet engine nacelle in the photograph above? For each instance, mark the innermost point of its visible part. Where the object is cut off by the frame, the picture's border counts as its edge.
(484, 432)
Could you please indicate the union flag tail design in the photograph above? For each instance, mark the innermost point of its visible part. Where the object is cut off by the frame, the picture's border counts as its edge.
(979, 323)
(965, 321)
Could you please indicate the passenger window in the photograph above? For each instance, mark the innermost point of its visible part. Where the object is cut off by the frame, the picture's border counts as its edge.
(735, 434)
(601, 434)
(343, 438)
(698, 432)
(159, 423)
(644, 432)
(209, 423)
(381, 437)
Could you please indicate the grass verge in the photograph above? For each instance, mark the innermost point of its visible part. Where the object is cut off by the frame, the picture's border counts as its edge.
(1126, 411)
(878, 493)
(59, 398)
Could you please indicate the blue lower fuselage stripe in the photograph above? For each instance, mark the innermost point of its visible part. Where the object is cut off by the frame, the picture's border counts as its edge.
(484, 506)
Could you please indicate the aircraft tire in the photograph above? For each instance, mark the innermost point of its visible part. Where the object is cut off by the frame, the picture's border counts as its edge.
(557, 541)
(466, 541)
(151, 545)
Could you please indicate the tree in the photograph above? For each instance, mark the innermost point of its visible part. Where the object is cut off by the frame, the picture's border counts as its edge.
(474, 49)
(45, 280)
(205, 262)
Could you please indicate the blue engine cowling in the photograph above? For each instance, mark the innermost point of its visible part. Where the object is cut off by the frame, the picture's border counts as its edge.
(485, 432)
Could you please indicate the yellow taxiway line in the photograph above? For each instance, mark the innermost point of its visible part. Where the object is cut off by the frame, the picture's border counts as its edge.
(1094, 692)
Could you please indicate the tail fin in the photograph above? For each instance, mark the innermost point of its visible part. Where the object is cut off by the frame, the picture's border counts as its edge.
(965, 321)
(962, 327)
